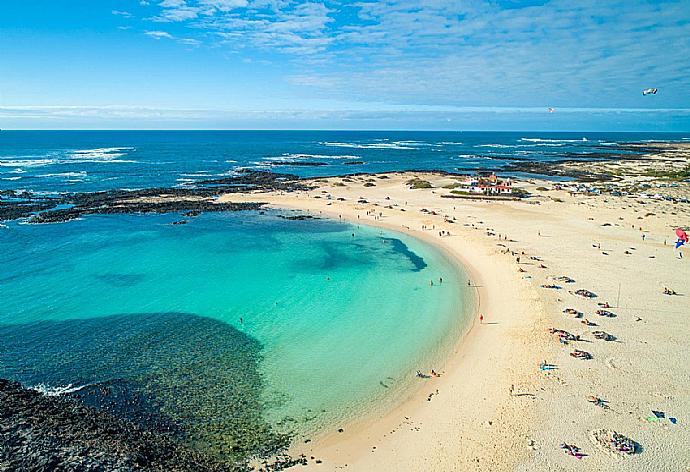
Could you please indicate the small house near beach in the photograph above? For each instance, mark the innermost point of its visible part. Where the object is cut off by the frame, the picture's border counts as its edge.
(486, 183)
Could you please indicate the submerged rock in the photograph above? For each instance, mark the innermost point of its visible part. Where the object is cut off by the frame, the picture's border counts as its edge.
(58, 433)
(297, 217)
(189, 381)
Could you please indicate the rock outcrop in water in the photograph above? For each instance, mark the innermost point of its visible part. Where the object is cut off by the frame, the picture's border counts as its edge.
(194, 200)
(42, 433)
(188, 385)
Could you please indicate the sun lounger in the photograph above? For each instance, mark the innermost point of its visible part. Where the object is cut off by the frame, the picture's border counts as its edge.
(606, 313)
(584, 293)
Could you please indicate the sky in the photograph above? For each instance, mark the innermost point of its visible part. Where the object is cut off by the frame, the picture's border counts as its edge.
(392, 64)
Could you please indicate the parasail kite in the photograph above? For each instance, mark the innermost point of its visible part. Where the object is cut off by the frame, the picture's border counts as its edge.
(682, 237)
(649, 91)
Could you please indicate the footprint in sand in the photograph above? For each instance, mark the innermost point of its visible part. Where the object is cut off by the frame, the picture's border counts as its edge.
(623, 365)
(611, 362)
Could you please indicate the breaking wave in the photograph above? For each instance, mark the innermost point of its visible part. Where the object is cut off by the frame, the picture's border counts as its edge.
(57, 391)
(380, 145)
(544, 140)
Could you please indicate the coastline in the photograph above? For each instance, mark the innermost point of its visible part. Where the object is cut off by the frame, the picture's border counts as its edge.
(477, 402)
(495, 409)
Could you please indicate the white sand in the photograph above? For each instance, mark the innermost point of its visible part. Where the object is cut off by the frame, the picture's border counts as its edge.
(474, 423)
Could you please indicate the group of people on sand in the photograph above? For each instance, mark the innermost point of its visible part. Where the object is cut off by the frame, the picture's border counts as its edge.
(431, 374)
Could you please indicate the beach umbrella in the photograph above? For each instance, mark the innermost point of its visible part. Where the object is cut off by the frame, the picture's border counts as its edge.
(682, 237)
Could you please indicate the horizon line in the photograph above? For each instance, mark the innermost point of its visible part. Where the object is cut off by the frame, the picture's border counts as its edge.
(372, 130)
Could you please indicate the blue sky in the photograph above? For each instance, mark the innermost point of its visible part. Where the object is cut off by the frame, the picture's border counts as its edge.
(394, 64)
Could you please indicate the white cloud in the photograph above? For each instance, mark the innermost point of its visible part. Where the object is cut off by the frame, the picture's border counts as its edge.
(223, 5)
(126, 14)
(159, 34)
(549, 52)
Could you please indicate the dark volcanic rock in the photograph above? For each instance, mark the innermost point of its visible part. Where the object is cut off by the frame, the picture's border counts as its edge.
(193, 201)
(16, 210)
(115, 207)
(41, 433)
(556, 169)
(297, 217)
(251, 180)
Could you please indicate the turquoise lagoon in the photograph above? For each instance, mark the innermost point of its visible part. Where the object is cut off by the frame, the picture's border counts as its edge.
(232, 329)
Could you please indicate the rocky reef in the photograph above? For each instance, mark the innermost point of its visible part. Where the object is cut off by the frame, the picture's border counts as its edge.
(171, 403)
(201, 198)
(43, 433)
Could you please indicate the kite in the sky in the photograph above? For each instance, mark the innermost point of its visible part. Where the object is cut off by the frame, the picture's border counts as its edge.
(649, 91)
(551, 110)
(682, 237)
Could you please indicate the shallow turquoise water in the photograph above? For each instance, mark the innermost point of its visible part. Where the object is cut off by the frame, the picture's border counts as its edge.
(329, 324)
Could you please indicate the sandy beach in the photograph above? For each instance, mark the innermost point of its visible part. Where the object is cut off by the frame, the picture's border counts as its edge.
(494, 408)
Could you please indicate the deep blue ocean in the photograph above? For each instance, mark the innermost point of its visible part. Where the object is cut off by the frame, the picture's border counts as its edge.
(59, 161)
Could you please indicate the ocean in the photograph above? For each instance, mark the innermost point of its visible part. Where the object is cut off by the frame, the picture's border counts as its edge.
(236, 331)
(76, 161)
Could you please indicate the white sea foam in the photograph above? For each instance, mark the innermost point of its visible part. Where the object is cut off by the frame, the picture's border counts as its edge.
(473, 156)
(379, 145)
(66, 174)
(11, 178)
(57, 391)
(110, 155)
(197, 174)
(544, 140)
(296, 157)
(26, 162)
(415, 143)
(497, 146)
(450, 143)
(100, 154)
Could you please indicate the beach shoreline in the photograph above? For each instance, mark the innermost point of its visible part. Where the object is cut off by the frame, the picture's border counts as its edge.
(495, 408)
(338, 449)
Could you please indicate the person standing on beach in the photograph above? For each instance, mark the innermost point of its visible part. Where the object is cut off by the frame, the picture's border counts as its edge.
(481, 318)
